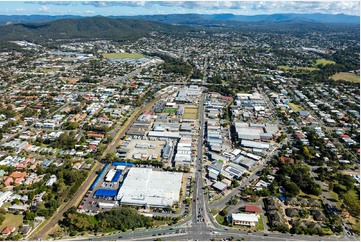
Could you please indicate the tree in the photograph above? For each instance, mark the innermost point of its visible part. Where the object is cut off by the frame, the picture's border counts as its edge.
(306, 153)
(223, 212)
(235, 183)
(291, 188)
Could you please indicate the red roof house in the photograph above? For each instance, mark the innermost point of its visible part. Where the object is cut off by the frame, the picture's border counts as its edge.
(8, 230)
(287, 160)
(252, 209)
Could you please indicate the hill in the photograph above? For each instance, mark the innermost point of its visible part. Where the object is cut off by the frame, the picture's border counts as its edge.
(199, 19)
(276, 18)
(87, 28)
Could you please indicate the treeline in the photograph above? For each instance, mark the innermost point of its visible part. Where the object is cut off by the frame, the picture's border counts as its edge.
(65, 141)
(173, 65)
(344, 186)
(122, 218)
(295, 178)
(86, 28)
(66, 186)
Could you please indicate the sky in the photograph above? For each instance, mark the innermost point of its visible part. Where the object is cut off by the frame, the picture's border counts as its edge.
(150, 7)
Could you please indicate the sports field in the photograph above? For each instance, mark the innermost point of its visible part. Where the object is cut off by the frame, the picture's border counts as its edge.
(191, 113)
(351, 77)
(123, 55)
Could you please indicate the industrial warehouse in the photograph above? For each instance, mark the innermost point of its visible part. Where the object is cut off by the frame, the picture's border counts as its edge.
(121, 183)
(145, 187)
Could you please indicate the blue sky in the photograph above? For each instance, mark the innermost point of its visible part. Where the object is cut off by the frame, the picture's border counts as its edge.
(106, 8)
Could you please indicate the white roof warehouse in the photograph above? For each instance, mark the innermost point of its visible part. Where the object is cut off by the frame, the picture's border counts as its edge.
(145, 187)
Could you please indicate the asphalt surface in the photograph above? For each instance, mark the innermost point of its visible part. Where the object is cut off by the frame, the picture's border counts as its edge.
(201, 226)
(49, 224)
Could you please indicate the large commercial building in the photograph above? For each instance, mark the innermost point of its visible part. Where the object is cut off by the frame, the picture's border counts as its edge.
(145, 187)
(244, 219)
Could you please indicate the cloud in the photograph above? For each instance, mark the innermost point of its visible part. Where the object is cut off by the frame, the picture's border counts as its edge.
(104, 4)
(351, 7)
(57, 3)
(44, 9)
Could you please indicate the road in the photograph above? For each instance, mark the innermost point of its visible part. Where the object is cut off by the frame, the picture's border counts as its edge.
(200, 216)
(195, 228)
(220, 204)
(184, 234)
(91, 177)
(73, 202)
(137, 71)
(32, 125)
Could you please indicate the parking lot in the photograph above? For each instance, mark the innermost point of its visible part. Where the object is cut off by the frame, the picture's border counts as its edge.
(144, 149)
(90, 202)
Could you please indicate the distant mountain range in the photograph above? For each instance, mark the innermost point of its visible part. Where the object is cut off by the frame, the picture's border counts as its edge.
(42, 28)
(87, 28)
(198, 19)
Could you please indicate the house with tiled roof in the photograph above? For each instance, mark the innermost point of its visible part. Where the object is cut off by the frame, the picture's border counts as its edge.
(284, 160)
(8, 181)
(8, 230)
(252, 209)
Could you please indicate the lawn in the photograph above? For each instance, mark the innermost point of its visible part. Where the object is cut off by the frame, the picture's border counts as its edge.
(214, 211)
(287, 68)
(12, 220)
(170, 110)
(351, 77)
(260, 226)
(324, 62)
(284, 67)
(294, 107)
(334, 195)
(263, 75)
(46, 70)
(191, 113)
(220, 219)
(123, 55)
(355, 224)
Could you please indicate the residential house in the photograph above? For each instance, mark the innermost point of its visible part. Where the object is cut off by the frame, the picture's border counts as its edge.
(8, 230)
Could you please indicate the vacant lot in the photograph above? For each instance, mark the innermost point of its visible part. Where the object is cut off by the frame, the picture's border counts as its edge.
(170, 110)
(324, 62)
(351, 77)
(12, 220)
(123, 55)
(295, 107)
(191, 113)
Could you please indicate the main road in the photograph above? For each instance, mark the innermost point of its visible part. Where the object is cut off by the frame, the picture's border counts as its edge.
(49, 224)
(201, 226)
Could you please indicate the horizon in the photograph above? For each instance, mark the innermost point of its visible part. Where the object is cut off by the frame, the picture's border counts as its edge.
(150, 7)
(225, 13)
